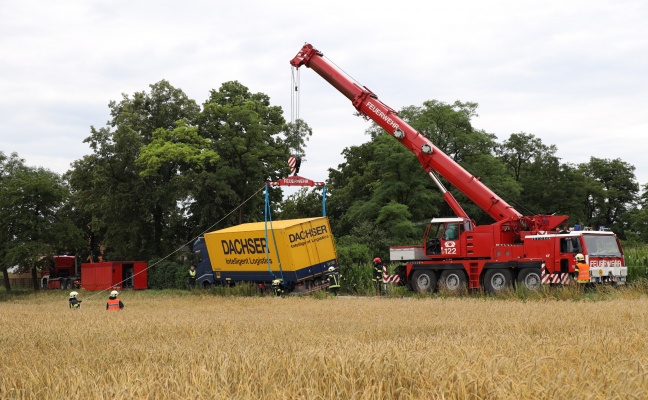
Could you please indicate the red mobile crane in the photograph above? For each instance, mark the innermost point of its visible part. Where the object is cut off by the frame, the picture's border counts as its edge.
(456, 252)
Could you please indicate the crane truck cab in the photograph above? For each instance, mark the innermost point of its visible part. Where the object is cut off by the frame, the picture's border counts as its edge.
(443, 237)
(205, 277)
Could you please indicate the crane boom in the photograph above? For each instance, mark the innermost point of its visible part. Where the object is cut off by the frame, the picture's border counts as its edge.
(431, 158)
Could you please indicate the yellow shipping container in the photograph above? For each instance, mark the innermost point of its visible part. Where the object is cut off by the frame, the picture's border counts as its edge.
(298, 250)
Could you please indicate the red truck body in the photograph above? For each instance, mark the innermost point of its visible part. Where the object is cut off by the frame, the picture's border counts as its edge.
(62, 273)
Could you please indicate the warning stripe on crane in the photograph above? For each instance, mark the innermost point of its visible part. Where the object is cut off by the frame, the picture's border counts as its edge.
(389, 278)
(292, 163)
(556, 278)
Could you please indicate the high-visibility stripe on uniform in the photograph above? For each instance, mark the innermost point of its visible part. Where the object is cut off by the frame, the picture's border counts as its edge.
(113, 304)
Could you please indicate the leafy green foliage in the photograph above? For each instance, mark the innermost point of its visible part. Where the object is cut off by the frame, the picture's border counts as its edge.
(357, 279)
(167, 275)
(245, 131)
(179, 151)
(33, 226)
(351, 253)
(611, 190)
(302, 204)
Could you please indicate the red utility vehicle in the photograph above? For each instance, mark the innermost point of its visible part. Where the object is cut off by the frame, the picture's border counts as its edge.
(61, 273)
(456, 252)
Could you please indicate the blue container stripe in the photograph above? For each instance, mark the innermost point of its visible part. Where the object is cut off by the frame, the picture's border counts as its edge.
(289, 276)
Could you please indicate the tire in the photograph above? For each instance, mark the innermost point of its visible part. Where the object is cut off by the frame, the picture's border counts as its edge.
(452, 281)
(530, 278)
(423, 281)
(63, 284)
(497, 280)
(206, 285)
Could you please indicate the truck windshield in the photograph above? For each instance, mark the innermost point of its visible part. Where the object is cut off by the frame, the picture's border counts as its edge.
(197, 257)
(601, 246)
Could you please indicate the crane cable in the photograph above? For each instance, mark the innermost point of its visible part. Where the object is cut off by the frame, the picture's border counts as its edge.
(295, 101)
(294, 94)
(267, 215)
(184, 245)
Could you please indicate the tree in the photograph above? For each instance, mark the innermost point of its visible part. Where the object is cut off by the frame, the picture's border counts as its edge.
(32, 228)
(301, 204)
(521, 150)
(128, 211)
(296, 135)
(449, 127)
(245, 131)
(547, 186)
(610, 192)
(635, 221)
(172, 160)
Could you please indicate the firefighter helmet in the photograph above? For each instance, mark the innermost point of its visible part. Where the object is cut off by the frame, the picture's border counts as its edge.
(114, 293)
(580, 257)
(74, 294)
(377, 260)
(331, 269)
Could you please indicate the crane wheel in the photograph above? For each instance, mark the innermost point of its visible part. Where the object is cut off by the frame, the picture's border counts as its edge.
(497, 280)
(530, 278)
(452, 281)
(423, 281)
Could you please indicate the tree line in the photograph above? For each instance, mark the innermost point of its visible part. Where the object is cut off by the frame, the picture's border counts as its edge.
(164, 170)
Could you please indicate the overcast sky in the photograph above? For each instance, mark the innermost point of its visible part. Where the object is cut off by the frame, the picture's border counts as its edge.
(572, 73)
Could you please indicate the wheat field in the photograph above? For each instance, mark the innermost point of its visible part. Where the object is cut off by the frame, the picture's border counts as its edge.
(192, 346)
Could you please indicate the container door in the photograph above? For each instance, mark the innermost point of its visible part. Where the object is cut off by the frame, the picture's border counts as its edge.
(140, 277)
(116, 271)
(127, 275)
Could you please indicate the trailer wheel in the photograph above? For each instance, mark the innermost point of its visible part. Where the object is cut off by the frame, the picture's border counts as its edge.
(63, 285)
(452, 281)
(423, 281)
(530, 278)
(497, 280)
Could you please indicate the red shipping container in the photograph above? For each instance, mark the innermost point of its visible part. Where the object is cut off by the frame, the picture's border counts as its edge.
(114, 275)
